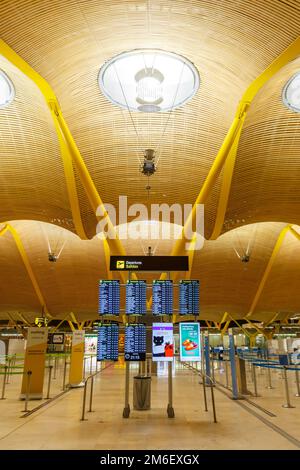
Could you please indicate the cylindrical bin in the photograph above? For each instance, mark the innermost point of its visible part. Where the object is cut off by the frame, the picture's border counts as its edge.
(141, 393)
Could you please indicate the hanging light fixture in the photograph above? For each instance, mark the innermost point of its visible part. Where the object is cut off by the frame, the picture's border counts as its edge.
(291, 93)
(148, 80)
(7, 91)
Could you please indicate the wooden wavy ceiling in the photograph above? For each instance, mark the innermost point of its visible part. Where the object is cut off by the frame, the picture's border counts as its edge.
(231, 43)
(227, 284)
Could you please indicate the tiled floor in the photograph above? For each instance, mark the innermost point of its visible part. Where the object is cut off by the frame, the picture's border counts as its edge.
(58, 425)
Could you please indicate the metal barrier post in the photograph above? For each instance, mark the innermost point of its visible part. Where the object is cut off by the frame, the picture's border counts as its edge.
(204, 391)
(91, 393)
(4, 382)
(287, 395)
(212, 362)
(254, 380)
(226, 372)
(84, 367)
(269, 378)
(213, 401)
(65, 370)
(8, 370)
(83, 403)
(91, 364)
(207, 358)
(126, 410)
(170, 409)
(235, 394)
(55, 367)
(29, 373)
(49, 382)
(297, 382)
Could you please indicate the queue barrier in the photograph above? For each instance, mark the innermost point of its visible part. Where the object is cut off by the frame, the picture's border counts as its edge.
(211, 385)
(86, 381)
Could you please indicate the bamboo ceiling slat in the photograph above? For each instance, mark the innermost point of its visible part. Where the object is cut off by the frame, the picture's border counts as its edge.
(32, 181)
(265, 183)
(227, 284)
(281, 292)
(230, 43)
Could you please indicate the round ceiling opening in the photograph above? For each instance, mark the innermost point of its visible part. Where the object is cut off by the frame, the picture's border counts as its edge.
(149, 80)
(291, 93)
(7, 91)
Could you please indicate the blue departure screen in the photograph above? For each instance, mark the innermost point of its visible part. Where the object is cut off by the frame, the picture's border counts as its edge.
(109, 297)
(162, 303)
(136, 297)
(108, 342)
(189, 297)
(135, 342)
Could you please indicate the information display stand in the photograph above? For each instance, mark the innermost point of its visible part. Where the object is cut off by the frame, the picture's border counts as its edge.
(170, 408)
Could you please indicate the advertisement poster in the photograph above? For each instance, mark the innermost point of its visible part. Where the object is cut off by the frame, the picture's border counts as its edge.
(35, 362)
(162, 342)
(77, 355)
(190, 347)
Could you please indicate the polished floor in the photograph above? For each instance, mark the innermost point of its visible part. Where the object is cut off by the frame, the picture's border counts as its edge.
(241, 425)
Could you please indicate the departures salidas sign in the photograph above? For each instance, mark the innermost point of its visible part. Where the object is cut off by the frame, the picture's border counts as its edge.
(150, 459)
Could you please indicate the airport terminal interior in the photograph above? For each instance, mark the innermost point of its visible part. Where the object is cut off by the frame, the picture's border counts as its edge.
(149, 224)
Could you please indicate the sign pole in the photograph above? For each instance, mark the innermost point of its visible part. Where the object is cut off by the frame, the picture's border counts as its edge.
(126, 411)
(207, 358)
(235, 394)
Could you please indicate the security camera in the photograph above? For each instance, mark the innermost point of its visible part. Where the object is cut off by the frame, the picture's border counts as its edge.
(52, 257)
(148, 165)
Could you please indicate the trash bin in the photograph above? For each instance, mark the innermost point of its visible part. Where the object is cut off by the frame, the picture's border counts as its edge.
(141, 393)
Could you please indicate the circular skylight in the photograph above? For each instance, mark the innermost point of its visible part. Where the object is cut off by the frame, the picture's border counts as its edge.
(291, 93)
(7, 91)
(148, 80)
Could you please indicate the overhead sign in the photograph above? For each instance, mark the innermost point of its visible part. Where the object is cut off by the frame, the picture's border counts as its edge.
(149, 263)
(189, 338)
(162, 342)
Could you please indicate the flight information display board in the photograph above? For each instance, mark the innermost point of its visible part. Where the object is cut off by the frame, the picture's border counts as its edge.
(189, 297)
(135, 342)
(108, 342)
(162, 295)
(109, 297)
(136, 297)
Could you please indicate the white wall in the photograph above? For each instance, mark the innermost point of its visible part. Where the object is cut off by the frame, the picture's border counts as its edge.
(16, 346)
(2, 352)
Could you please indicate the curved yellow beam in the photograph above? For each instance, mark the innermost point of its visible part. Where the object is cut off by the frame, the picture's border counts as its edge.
(179, 246)
(70, 153)
(23, 254)
(289, 54)
(52, 102)
(273, 256)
